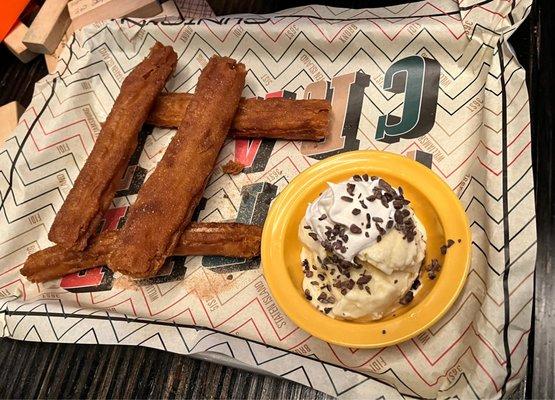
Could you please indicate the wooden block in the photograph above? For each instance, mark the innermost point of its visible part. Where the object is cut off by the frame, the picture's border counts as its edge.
(147, 11)
(9, 117)
(85, 12)
(14, 42)
(52, 59)
(49, 26)
(169, 10)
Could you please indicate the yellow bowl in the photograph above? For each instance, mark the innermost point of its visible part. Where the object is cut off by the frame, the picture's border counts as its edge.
(435, 205)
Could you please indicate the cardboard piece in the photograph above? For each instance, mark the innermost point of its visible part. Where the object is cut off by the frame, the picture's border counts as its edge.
(14, 43)
(9, 116)
(48, 28)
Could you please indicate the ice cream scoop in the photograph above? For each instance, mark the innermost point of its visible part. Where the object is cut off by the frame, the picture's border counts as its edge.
(362, 249)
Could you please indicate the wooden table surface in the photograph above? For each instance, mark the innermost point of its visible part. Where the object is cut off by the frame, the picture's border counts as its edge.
(48, 370)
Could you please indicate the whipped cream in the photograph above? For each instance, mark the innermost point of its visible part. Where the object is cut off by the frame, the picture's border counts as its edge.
(356, 211)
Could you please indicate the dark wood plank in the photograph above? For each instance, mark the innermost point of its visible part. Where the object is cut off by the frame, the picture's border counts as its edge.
(47, 370)
(541, 86)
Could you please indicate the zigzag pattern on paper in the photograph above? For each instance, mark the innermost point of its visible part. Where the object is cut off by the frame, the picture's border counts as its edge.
(480, 148)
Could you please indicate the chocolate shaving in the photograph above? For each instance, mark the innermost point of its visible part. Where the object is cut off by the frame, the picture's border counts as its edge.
(415, 284)
(355, 229)
(407, 298)
(357, 178)
(356, 211)
(347, 199)
(364, 279)
(307, 295)
(350, 189)
(433, 269)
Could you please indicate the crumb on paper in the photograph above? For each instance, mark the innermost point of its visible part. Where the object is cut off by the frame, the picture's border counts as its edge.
(233, 167)
(125, 282)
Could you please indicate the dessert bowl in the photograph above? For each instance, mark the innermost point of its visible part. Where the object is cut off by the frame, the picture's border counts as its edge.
(435, 205)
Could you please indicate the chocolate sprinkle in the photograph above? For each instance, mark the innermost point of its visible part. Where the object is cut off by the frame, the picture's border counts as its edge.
(355, 229)
(306, 227)
(367, 289)
(389, 224)
(313, 236)
(356, 211)
(379, 238)
(357, 178)
(364, 279)
(347, 199)
(350, 189)
(321, 277)
(433, 269)
(377, 219)
(415, 284)
(322, 297)
(322, 217)
(307, 295)
(327, 310)
(407, 298)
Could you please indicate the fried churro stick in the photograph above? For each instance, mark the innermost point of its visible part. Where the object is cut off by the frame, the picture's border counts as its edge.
(272, 118)
(208, 239)
(94, 188)
(167, 200)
